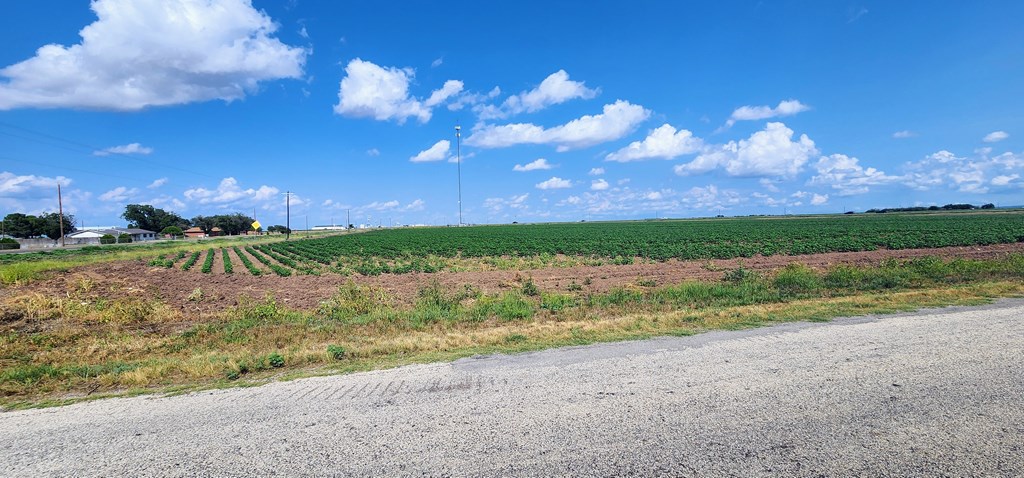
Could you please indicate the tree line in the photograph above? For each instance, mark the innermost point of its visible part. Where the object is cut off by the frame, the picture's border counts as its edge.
(25, 226)
(144, 216)
(947, 207)
(141, 216)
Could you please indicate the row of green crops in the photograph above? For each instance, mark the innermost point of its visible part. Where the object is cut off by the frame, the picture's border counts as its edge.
(191, 261)
(208, 262)
(681, 239)
(247, 263)
(228, 268)
(426, 249)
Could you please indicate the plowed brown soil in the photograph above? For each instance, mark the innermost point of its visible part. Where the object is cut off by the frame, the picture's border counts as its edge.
(219, 291)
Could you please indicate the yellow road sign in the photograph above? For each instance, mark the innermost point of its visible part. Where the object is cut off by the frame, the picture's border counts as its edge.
(256, 225)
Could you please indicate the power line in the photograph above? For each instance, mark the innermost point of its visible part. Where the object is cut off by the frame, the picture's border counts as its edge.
(37, 163)
(87, 148)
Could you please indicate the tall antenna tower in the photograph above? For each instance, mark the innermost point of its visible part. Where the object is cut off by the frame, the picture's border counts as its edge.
(458, 160)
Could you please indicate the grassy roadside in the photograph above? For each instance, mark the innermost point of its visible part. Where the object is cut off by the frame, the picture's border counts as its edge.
(56, 350)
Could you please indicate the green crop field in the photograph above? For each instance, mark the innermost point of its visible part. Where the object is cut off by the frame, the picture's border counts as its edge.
(425, 249)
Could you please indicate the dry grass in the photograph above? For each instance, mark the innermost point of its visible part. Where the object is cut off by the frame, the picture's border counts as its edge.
(81, 345)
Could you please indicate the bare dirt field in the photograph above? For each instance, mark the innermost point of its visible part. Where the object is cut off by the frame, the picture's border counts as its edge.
(174, 286)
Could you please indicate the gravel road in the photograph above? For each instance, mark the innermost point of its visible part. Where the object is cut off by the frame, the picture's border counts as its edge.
(933, 393)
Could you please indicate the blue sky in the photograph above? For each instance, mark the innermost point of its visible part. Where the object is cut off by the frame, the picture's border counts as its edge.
(569, 110)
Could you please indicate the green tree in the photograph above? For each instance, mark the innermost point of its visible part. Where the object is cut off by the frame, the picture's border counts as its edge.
(172, 231)
(124, 238)
(21, 225)
(50, 225)
(8, 243)
(206, 223)
(144, 216)
(107, 239)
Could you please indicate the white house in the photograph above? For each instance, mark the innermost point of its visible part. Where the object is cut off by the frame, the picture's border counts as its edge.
(93, 236)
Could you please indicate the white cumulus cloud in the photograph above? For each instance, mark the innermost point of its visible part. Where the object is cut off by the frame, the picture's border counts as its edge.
(539, 164)
(157, 183)
(555, 183)
(771, 152)
(964, 174)
(753, 113)
(904, 134)
(663, 143)
(118, 194)
(141, 53)
(819, 199)
(598, 185)
(556, 88)
(616, 120)
(228, 192)
(13, 184)
(382, 93)
(995, 136)
(845, 174)
(437, 152)
(596, 171)
(132, 148)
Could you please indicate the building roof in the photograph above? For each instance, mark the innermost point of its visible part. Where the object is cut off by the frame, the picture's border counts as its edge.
(194, 229)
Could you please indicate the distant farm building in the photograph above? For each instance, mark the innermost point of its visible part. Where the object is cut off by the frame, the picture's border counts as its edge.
(93, 236)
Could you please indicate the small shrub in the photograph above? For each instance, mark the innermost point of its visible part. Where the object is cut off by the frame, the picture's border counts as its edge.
(574, 287)
(275, 360)
(107, 239)
(8, 244)
(124, 238)
(196, 295)
(336, 351)
(530, 289)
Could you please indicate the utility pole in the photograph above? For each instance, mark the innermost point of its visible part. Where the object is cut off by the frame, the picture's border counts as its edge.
(60, 209)
(348, 218)
(288, 215)
(458, 152)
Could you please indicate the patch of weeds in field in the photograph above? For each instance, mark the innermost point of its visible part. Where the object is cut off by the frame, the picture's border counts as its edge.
(574, 287)
(557, 302)
(196, 295)
(797, 279)
(508, 306)
(529, 288)
(275, 360)
(355, 304)
(646, 282)
(336, 352)
(617, 296)
(740, 275)
(251, 314)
